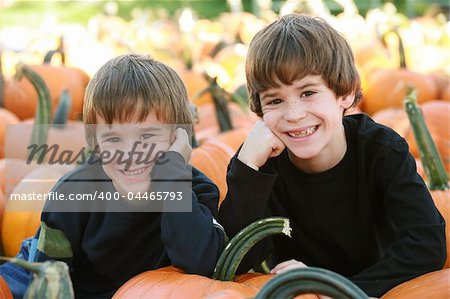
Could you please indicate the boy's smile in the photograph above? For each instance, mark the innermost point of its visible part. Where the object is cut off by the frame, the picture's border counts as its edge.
(130, 151)
(307, 117)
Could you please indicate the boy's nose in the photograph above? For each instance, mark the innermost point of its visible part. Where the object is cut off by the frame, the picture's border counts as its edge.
(294, 111)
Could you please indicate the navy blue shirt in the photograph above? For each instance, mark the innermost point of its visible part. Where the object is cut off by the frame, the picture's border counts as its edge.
(109, 248)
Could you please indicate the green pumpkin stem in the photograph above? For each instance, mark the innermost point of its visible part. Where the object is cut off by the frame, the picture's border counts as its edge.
(42, 119)
(242, 242)
(429, 155)
(32, 267)
(310, 280)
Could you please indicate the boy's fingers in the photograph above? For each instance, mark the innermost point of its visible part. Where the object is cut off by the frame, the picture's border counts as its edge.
(281, 265)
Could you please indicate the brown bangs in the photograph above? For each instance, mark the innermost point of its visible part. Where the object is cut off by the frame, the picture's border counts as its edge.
(296, 46)
(129, 87)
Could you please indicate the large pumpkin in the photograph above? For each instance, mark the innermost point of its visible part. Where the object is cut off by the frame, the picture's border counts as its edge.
(170, 282)
(69, 138)
(21, 98)
(12, 171)
(208, 124)
(22, 219)
(387, 88)
(432, 285)
(213, 156)
(394, 118)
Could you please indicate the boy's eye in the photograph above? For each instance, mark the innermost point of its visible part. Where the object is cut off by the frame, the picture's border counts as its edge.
(307, 93)
(147, 136)
(274, 102)
(113, 139)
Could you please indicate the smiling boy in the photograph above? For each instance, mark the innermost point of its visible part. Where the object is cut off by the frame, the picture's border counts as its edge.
(348, 185)
(135, 110)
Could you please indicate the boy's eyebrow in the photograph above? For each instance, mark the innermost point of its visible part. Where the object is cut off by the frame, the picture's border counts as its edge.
(146, 129)
(302, 86)
(151, 128)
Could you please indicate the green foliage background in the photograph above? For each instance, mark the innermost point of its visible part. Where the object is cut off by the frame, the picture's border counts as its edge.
(33, 12)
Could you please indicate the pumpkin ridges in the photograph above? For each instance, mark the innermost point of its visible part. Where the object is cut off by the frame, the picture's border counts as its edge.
(431, 285)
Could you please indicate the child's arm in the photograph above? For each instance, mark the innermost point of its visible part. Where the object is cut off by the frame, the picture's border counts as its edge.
(419, 244)
(193, 240)
(249, 189)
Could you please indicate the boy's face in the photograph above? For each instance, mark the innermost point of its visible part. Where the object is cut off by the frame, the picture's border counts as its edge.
(307, 117)
(130, 151)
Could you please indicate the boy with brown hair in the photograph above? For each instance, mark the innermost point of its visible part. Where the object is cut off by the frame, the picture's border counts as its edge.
(160, 210)
(348, 185)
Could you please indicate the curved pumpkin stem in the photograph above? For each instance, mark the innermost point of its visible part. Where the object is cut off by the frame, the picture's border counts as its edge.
(310, 281)
(59, 50)
(42, 118)
(240, 244)
(429, 155)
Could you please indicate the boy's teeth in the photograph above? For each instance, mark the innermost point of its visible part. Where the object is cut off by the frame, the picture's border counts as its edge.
(303, 133)
(134, 172)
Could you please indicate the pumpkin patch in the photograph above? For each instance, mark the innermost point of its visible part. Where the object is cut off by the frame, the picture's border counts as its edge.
(394, 48)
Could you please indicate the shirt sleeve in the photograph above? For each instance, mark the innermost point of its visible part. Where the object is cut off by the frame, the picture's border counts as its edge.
(193, 240)
(419, 245)
(247, 200)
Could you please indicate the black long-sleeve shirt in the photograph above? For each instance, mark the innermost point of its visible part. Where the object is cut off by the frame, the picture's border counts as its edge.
(109, 248)
(370, 218)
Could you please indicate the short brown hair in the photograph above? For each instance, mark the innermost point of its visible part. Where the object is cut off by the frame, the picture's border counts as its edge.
(128, 87)
(295, 46)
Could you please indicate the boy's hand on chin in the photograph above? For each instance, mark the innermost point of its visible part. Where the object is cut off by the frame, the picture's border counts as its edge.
(260, 145)
(180, 144)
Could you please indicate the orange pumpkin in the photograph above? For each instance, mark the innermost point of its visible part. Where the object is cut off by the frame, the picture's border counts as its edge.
(432, 285)
(71, 138)
(208, 124)
(394, 118)
(22, 218)
(12, 171)
(5, 292)
(170, 282)
(445, 94)
(387, 88)
(441, 199)
(6, 118)
(195, 83)
(21, 98)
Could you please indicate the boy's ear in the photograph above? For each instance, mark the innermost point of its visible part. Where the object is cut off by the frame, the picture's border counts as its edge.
(347, 101)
